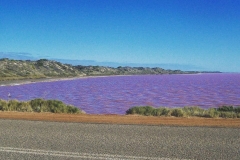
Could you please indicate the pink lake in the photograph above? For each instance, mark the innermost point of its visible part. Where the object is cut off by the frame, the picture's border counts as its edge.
(116, 94)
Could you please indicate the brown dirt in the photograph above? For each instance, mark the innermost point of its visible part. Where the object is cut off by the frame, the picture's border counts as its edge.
(122, 119)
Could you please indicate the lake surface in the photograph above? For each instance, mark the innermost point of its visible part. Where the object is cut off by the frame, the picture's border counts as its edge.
(116, 94)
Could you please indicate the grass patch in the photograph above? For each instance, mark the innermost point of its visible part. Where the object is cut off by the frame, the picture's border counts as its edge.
(38, 105)
(224, 111)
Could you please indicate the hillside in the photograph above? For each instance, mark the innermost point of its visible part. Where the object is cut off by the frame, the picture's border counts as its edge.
(43, 68)
(18, 69)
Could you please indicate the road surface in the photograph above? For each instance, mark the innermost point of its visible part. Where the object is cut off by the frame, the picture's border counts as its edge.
(21, 139)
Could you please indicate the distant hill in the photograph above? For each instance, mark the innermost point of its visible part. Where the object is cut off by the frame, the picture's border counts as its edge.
(43, 68)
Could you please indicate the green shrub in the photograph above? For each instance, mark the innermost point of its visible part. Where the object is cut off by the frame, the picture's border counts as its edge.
(158, 112)
(72, 109)
(177, 112)
(145, 110)
(13, 105)
(193, 111)
(212, 113)
(186, 111)
(226, 108)
(229, 109)
(134, 110)
(140, 110)
(3, 105)
(38, 105)
(24, 107)
(228, 115)
(56, 106)
(166, 112)
(238, 115)
(40, 62)
(237, 109)
(148, 111)
(131, 111)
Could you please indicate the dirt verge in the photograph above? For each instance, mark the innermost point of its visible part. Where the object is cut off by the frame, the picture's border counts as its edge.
(122, 119)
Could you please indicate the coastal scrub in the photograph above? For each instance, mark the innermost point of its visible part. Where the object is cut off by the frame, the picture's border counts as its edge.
(38, 105)
(223, 112)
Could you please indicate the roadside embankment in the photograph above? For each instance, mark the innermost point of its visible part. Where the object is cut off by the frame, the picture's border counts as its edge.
(122, 119)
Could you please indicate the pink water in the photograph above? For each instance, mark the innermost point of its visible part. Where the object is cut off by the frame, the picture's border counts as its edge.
(116, 94)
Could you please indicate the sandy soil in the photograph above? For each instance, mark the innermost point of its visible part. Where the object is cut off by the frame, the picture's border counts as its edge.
(122, 119)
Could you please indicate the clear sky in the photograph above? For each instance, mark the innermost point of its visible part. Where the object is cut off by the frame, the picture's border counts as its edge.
(195, 34)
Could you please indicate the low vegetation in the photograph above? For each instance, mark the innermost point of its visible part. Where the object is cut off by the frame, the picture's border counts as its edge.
(224, 111)
(38, 105)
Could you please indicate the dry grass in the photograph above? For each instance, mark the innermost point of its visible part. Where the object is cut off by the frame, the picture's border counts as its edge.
(122, 119)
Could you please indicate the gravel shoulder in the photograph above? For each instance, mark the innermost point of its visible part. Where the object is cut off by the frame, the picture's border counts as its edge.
(122, 119)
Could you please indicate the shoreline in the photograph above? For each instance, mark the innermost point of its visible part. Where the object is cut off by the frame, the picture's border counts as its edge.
(54, 79)
(29, 81)
(122, 119)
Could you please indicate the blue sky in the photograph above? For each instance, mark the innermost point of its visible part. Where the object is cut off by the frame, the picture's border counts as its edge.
(177, 34)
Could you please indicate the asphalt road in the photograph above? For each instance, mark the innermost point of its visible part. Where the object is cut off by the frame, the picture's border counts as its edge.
(57, 140)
